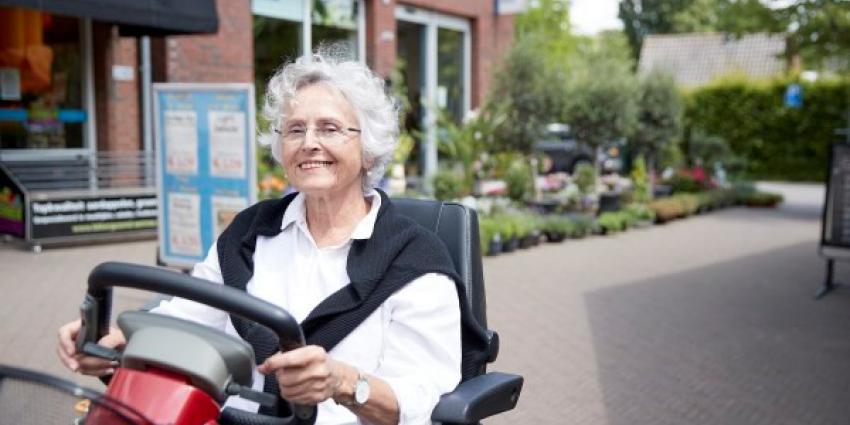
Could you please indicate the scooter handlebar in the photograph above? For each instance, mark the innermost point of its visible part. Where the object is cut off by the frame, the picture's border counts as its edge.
(97, 306)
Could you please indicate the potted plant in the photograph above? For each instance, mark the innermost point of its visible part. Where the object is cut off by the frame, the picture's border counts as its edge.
(611, 222)
(763, 200)
(642, 215)
(557, 228)
(508, 233)
(447, 185)
(585, 178)
(582, 226)
(491, 240)
(525, 231)
(666, 209)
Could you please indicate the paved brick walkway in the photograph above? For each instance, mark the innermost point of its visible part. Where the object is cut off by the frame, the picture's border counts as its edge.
(704, 321)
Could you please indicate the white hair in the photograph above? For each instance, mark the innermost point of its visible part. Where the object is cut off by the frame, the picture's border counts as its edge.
(363, 89)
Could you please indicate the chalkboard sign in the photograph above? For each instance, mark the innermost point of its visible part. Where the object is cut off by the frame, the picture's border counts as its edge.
(835, 237)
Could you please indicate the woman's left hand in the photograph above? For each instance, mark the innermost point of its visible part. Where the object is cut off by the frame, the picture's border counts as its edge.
(306, 376)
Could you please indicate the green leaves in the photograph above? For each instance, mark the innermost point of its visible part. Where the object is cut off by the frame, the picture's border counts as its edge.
(600, 97)
(660, 111)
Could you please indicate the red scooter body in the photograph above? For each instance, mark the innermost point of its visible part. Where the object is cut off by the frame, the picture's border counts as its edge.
(175, 371)
(159, 396)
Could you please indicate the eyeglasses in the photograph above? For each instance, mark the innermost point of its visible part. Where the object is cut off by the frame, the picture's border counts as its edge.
(325, 134)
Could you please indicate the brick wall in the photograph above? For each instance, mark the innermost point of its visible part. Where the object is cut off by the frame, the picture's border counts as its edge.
(381, 36)
(227, 56)
(116, 102)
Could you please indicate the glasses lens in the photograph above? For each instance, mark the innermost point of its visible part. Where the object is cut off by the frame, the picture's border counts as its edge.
(322, 135)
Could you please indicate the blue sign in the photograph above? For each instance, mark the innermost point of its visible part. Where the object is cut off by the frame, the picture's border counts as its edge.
(794, 96)
(206, 166)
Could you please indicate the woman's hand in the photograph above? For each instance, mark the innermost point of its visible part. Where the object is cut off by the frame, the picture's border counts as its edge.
(307, 375)
(79, 362)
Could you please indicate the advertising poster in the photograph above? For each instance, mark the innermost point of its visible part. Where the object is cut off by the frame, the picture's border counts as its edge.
(227, 155)
(184, 219)
(206, 170)
(181, 153)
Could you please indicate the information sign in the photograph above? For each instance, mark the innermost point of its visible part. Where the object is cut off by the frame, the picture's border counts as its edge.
(206, 164)
(72, 216)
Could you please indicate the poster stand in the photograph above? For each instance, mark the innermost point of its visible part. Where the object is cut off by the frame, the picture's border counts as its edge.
(206, 164)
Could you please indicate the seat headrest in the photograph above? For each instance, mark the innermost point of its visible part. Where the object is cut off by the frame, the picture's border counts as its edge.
(457, 227)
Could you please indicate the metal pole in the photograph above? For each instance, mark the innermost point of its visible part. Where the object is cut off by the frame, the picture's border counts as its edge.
(147, 128)
(307, 29)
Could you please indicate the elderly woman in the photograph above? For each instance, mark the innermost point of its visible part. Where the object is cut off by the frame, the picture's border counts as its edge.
(376, 294)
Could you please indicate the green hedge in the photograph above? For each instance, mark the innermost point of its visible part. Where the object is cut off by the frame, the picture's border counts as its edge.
(778, 142)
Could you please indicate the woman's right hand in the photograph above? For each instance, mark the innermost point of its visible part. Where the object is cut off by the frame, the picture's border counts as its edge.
(79, 362)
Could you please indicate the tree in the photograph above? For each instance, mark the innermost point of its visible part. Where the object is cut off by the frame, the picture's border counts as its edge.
(699, 16)
(660, 111)
(600, 96)
(522, 100)
(643, 17)
(819, 30)
(548, 22)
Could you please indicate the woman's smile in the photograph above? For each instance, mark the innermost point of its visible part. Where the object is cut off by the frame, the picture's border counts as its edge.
(312, 165)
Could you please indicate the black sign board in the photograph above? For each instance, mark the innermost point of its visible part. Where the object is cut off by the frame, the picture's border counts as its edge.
(835, 224)
(79, 216)
(836, 215)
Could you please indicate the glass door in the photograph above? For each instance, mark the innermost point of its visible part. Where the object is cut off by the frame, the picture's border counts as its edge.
(440, 43)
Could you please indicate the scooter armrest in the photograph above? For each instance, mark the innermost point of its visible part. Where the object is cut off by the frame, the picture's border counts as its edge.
(478, 398)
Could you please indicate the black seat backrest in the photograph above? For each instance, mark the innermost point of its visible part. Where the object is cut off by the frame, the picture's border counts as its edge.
(457, 226)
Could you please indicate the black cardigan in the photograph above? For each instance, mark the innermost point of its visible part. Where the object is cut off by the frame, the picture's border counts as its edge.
(398, 252)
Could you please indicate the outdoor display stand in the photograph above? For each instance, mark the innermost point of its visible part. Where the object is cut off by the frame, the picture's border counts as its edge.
(835, 230)
(206, 164)
(75, 201)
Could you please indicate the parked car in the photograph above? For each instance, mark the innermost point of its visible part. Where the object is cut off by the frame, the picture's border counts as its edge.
(566, 153)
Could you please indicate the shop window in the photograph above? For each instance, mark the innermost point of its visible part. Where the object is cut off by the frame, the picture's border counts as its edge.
(41, 81)
(276, 41)
(335, 23)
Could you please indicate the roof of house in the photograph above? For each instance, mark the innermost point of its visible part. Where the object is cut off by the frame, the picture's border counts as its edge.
(696, 59)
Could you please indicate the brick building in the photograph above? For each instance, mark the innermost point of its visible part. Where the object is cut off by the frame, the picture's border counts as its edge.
(101, 68)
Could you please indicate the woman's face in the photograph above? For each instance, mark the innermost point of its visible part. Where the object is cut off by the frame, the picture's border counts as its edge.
(317, 166)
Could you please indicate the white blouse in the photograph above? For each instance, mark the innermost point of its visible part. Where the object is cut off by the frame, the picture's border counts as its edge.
(412, 341)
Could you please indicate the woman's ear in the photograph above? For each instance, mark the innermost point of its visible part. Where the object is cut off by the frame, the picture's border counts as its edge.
(367, 166)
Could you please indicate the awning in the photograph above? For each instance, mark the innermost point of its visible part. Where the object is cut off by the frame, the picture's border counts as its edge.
(136, 17)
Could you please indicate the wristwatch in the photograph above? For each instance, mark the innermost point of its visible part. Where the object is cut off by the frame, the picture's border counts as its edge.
(359, 395)
(361, 389)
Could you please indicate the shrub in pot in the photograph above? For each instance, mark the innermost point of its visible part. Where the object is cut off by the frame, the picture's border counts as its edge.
(508, 232)
(525, 230)
(582, 226)
(557, 228)
(641, 215)
(491, 241)
(447, 185)
(666, 209)
(763, 199)
(690, 203)
(611, 222)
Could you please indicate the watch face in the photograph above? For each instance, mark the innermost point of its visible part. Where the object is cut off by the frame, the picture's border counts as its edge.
(361, 392)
